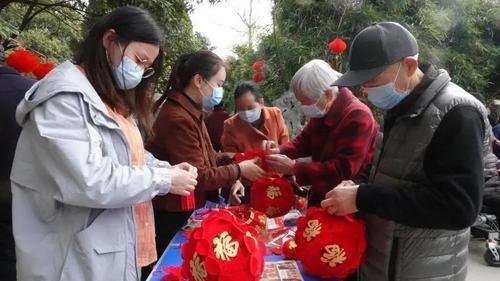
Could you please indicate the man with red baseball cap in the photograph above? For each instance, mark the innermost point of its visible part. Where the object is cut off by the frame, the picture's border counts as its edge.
(425, 187)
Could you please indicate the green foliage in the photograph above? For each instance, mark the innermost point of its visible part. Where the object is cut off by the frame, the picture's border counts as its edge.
(462, 36)
(239, 70)
(54, 33)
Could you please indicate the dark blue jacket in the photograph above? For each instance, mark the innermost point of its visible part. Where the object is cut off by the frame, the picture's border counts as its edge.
(12, 89)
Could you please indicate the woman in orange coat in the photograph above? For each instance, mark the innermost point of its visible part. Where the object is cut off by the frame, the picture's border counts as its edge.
(253, 122)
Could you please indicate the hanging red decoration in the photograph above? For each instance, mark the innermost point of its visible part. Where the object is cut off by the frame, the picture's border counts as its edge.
(337, 45)
(258, 65)
(258, 77)
(221, 248)
(328, 245)
(272, 195)
(42, 69)
(23, 61)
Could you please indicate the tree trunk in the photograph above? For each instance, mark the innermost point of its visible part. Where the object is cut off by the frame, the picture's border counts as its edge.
(27, 17)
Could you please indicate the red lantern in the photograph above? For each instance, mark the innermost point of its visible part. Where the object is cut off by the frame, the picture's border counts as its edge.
(258, 65)
(221, 248)
(272, 195)
(42, 70)
(258, 77)
(337, 46)
(330, 246)
(290, 249)
(251, 217)
(23, 61)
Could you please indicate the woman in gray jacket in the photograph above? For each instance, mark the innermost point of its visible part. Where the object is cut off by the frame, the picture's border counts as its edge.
(74, 184)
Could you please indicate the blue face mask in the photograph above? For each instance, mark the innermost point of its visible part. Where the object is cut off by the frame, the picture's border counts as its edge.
(128, 74)
(215, 98)
(386, 97)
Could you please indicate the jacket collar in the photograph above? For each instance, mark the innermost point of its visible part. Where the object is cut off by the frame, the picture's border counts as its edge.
(188, 104)
(343, 100)
(427, 95)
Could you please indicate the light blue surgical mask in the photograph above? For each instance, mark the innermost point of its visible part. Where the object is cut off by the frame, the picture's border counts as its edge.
(215, 98)
(386, 96)
(250, 115)
(128, 74)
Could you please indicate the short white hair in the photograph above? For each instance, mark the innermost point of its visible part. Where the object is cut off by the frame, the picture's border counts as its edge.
(313, 78)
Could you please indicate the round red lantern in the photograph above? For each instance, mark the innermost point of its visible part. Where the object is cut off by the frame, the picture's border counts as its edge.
(258, 65)
(23, 61)
(221, 248)
(272, 195)
(290, 249)
(337, 45)
(258, 77)
(330, 246)
(42, 69)
(251, 217)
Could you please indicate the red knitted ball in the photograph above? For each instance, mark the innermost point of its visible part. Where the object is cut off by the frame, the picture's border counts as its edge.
(272, 195)
(23, 61)
(42, 69)
(328, 245)
(221, 248)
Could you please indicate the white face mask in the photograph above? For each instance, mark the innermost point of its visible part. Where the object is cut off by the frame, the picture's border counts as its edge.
(313, 111)
(250, 115)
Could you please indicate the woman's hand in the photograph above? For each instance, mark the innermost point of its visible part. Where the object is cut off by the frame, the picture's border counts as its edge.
(188, 168)
(237, 191)
(250, 170)
(280, 164)
(183, 182)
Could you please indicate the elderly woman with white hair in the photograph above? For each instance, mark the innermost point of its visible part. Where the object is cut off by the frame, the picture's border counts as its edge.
(339, 137)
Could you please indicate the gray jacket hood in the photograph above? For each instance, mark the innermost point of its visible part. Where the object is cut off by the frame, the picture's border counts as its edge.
(64, 78)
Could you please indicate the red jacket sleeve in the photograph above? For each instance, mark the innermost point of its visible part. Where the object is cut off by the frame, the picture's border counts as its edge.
(353, 145)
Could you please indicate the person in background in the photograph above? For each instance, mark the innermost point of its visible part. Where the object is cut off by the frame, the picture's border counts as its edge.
(252, 124)
(215, 125)
(180, 135)
(340, 135)
(13, 86)
(426, 185)
(82, 183)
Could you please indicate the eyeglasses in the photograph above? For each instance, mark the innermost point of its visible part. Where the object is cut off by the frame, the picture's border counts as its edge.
(143, 64)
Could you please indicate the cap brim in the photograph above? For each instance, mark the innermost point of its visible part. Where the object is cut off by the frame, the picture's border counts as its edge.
(359, 77)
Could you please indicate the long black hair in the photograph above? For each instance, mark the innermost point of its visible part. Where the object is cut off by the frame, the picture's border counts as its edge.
(131, 24)
(204, 63)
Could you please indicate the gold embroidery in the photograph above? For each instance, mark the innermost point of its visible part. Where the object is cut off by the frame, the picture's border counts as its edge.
(271, 211)
(198, 269)
(273, 192)
(225, 249)
(312, 230)
(292, 245)
(334, 255)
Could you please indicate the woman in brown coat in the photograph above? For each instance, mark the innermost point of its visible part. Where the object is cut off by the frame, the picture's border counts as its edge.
(180, 135)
